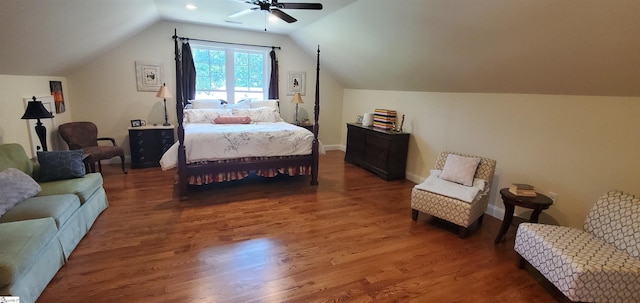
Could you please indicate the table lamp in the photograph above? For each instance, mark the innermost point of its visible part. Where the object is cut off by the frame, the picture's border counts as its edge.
(35, 110)
(297, 99)
(164, 94)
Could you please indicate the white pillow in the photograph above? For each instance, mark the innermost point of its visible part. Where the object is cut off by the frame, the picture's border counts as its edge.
(265, 103)
(260, 114)
(206, 103)
(204, 115)
(459, 169)
(238, 105)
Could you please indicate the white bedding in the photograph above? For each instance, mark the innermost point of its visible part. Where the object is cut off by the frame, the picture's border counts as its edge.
(207, 141)
(434, 184)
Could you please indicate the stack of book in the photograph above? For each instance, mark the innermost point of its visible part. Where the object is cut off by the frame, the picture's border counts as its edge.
(523, 190)
(384, 118)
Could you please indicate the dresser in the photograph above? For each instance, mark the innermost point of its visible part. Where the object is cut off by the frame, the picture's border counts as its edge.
(383, 152)
(148, 144)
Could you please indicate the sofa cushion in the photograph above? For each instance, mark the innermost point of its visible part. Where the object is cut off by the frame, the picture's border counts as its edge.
(22, 243)
(82, 187)
(13, 155)
(15, 186)
(60, 165)
(58, 207)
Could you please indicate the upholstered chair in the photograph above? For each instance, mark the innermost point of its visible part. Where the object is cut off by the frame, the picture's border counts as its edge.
(453, 210)
(84, 135)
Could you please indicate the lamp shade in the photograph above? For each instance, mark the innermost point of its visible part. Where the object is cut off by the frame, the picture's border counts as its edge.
(164, 92)
(35, 110)
(297, 98)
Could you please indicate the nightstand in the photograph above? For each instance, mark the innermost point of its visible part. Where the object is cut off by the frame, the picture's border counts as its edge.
(148, 144)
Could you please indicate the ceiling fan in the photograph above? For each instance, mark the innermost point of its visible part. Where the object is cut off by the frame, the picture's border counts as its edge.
(274, 7)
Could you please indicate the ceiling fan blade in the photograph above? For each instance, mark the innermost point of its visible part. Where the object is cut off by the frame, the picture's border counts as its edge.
(291, 5)
(243, 12)
(282, 15)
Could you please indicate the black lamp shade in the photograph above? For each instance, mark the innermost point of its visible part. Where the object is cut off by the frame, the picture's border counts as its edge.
(35, 110)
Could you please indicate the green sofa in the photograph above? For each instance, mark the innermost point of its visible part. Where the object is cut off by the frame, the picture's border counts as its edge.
(38, 234)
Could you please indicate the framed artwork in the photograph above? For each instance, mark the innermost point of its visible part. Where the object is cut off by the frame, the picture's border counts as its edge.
(359, 119)
(136, 123)
(296, 83)
(148, 76)
(58, 98)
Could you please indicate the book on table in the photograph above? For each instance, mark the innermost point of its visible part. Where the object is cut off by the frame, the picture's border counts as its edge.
(523, 190)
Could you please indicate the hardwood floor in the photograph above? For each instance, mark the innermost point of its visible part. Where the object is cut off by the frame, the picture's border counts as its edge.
(351, 239)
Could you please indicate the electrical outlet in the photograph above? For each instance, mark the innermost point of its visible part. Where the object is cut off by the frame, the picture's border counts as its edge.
(553, 196)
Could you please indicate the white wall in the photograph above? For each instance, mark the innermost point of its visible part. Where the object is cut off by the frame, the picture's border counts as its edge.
(106, 87)
(13, 90)
(576, 146)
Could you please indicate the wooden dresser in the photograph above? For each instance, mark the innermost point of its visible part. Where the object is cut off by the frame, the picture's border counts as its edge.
(148, 144)
(380, 151)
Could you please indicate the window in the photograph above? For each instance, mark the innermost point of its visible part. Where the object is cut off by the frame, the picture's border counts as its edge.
(231, 74)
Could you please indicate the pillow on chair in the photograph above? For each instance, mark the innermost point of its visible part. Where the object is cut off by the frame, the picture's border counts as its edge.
(459, 169)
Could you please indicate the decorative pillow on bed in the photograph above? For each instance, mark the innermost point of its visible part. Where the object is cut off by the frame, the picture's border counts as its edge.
(260, 114)
(265, 103)
(60, 165)
(206, 103)
(238, 105)
(204, 115)
(232, 120)
(459, 169)
(16, 187)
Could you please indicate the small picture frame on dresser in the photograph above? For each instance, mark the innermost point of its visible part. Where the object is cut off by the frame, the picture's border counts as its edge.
(359, 119)
(136, 123)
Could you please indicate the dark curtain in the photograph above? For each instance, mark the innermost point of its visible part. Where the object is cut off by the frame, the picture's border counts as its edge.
(273, 80)
(188, 73)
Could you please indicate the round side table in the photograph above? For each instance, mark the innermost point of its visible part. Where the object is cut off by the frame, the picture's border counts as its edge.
(537, 204)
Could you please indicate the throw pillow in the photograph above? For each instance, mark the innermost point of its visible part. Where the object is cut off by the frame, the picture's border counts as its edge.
(260, 114)
(15, 187)
(232, 120)
(60, 165)
(459, 169)
(205, 115)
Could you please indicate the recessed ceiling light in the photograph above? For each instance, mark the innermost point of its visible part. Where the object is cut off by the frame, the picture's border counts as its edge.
(191, 6)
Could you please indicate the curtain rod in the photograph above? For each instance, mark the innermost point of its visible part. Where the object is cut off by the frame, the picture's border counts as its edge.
(243, 44)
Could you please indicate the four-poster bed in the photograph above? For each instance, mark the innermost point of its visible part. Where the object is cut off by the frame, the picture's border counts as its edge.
(194, 172)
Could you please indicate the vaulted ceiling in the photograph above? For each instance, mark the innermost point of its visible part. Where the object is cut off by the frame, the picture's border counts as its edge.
(578, 47)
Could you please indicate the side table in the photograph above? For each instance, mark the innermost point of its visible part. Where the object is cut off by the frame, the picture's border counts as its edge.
(537, 203)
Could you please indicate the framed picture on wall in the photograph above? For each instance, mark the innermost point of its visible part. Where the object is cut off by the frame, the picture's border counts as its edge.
(296, 83)
(148, 76)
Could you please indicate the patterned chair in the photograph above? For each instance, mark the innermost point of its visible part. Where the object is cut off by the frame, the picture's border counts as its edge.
(456, 211)
(84, 135)
(598, 264)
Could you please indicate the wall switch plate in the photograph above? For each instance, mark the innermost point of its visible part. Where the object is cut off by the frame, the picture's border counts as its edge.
(553, 196)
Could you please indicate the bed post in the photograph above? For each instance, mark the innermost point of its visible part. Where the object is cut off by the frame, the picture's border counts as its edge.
(316, 127)
(182, 158)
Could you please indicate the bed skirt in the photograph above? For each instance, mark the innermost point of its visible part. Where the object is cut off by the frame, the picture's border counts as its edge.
(207, 178)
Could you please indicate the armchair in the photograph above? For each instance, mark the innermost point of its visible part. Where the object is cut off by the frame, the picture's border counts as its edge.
(84, 135)
(454, 210)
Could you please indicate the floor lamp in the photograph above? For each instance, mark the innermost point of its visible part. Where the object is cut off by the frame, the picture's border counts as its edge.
(297, 99)
(35, 110)
(164, 94)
